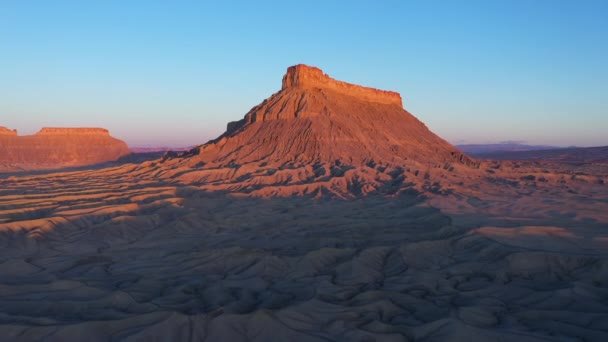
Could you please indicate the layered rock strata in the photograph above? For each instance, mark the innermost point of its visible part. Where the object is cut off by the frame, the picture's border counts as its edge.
(58, 147)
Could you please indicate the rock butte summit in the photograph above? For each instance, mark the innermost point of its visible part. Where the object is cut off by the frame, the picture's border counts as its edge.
(304, 76)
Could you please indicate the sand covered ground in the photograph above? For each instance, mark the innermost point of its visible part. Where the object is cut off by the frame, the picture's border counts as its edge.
(123, 253)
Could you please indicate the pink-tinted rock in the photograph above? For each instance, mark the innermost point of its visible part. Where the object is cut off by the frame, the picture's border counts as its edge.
(304, 76)
(316, 119)
(6, 131)
(73, 131)
(58, 147)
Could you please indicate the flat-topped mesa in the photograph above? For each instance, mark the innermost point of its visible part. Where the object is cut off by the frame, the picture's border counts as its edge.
(54, 147)
(6, 131)
(304, 76)
(62, 131)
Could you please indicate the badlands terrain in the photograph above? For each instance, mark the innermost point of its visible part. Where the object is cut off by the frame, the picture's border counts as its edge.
(328, 213)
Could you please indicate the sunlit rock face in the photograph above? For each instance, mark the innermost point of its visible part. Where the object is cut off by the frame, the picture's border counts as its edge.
(54, 147)
(314, 118)
(319, 133)
(73, 131)
(303, 76)
(6, 131)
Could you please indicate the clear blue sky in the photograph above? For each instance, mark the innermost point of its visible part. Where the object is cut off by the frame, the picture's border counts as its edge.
(175, 72)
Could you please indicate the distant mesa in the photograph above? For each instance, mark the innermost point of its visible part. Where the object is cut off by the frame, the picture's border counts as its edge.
(54, 147)
(61, 131)
(6, 131)
(70, 131)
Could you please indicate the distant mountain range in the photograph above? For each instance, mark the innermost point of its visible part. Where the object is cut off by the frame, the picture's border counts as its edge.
(499, 151)
(158, 149)
(482, 149)
(571, 155)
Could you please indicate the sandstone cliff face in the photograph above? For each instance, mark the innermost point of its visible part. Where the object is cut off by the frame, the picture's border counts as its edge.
(315, 118)
(59, 147)
(303, 76)
(319, 135)
(73, 131)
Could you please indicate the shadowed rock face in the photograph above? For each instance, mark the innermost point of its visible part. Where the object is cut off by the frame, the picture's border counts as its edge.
(58, 147)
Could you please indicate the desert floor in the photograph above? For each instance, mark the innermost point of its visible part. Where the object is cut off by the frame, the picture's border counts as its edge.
(96, 256)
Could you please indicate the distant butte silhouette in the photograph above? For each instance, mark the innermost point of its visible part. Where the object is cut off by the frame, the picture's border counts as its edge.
(58, 147)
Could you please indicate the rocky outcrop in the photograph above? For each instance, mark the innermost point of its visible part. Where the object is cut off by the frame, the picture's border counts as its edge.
(63, 130)
(6, 131)
(318, 135)
(304, 76)
(314, 118)
(58, 147)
